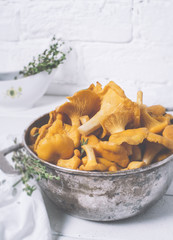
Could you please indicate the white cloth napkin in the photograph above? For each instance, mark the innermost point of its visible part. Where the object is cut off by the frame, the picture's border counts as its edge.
(22, 217)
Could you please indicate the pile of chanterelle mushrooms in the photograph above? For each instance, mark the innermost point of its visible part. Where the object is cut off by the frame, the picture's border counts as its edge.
(102, 130)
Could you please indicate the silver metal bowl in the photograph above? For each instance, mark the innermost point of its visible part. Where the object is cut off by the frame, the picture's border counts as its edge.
(104, 196)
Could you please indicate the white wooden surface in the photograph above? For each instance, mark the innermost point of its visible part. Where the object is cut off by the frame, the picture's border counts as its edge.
(155, 223)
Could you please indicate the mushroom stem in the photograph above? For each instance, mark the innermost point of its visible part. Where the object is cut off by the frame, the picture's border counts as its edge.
(91, 163)
(150, 152)
(139, 97)
(90, 126)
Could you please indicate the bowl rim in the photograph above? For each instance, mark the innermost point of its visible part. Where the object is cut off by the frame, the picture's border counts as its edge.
(90, 173)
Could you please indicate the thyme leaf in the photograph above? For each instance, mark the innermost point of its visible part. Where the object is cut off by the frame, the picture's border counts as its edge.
(83, 142)
(30, 168)
(48, 60)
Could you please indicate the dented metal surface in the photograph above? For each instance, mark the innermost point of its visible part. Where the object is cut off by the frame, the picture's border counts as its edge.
(108, 197)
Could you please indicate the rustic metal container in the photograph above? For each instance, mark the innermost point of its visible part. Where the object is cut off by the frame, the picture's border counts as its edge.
(104, 196)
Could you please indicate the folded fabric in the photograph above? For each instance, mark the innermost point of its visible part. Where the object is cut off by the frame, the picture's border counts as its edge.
(22, 217)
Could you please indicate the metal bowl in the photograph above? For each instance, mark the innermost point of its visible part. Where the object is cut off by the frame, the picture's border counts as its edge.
(104, 196)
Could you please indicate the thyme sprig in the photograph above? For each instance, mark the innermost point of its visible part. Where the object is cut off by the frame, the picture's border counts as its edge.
(83, 142)
(30, 168)
(48, 60)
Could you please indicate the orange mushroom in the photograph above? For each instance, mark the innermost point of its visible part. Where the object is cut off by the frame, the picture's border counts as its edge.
(135, 164)
(59, 128)
(54, 147)
(151, 150)
(108, 164)
(115, 113)
(91, 163)
(154, 125)
(155, 144)
(112, 152)
(97, 89)
(72, 163)
(168, 132)
(81, 103)
(84, 119)
(168, 143)
(130, 136)
(156, 110)
(113, 132)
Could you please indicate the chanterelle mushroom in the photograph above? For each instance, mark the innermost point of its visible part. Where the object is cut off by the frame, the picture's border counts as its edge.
(97, 89)
(130, 136)
(42, 131)
(155, 125)
(71, 131)
(155, 143)
(108, 150)
(91, 159)
(84, 102)
(54, 147)
(168, 132)
(115, 113)
(151, 150)
(114, 153)
(135, 164)
(168, 143)
(72, 163)
(152, 117)
(156, 110)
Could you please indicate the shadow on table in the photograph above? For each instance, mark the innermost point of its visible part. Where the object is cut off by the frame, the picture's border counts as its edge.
(56, 216)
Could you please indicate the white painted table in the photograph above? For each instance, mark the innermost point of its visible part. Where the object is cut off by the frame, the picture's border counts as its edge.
(155, 223)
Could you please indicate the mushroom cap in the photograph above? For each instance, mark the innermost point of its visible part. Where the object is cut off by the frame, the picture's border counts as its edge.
(58, 127)
(168, 143)
(54, 147)
(155, 125)
(135, 164)
(84, 102)
(127, 113)
(156, 110)
(91, 139)
(114, 106)
(112, 152)
(130, 136)
(44, 129)
(113, 168)
(97, 89)
(168, 132)
(112, 85)
(72, 163)
(105, 162)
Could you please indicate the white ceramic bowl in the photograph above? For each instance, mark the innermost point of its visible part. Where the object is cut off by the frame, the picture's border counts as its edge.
(24, 92)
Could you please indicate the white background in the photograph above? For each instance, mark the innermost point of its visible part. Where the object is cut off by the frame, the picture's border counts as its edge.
(127, 41)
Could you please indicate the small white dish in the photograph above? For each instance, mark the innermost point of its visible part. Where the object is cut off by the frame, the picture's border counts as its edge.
(24, 92)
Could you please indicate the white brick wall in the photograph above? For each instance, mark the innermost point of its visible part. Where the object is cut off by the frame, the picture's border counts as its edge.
(128, 41)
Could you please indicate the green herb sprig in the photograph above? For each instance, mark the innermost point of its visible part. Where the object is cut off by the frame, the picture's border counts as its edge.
(30, 168)
(83, 142)
(51, 58)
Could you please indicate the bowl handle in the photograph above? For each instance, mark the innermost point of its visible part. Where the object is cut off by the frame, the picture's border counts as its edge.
(4, 164)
